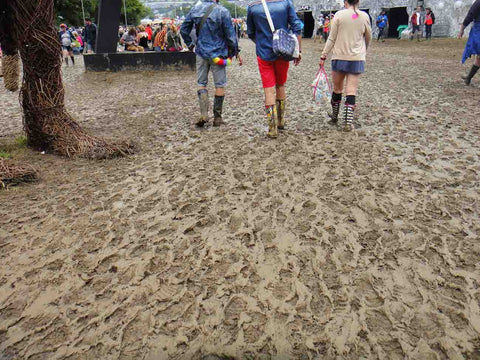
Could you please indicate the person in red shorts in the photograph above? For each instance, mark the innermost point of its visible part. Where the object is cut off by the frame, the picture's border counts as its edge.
(273, 70)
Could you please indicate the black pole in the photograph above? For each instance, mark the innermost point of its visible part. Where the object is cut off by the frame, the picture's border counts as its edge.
(108, 22)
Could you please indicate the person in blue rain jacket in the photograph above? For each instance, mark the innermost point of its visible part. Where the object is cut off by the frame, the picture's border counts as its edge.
(216, 39)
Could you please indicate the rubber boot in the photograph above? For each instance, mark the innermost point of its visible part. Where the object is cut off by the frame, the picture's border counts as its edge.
(471, 74)
(281, 114)
(348, 117)
(217, 110)
(271, 111)
(203, 101)
(335, 112)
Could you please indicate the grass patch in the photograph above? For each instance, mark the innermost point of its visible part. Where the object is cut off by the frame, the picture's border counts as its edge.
(13, 148)
(21, 141)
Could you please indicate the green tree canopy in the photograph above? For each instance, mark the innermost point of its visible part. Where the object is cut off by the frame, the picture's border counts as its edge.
(241, 11)
(70, 11)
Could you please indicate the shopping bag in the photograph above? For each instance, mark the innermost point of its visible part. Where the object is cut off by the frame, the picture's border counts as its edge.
(285, 45)
(322, 92)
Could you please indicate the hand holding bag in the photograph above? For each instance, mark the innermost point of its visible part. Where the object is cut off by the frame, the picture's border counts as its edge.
(285, 44)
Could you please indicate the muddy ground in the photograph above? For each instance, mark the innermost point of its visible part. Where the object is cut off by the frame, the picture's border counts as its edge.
(318, 245)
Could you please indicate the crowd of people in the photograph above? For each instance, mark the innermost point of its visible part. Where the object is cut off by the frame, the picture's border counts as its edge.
(209, 30)
(419, 21)
(163, 37)
(77, 40)
(348, 35)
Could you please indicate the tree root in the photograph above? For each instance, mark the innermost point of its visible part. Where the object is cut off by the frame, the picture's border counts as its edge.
(54, 131)
(13, 174)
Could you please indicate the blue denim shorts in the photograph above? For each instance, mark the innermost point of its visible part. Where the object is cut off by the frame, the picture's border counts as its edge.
(351, 67)
(219, 73)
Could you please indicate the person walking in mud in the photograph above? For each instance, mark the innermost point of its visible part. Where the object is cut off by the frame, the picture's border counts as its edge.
(66, 39)
(473, 44)
(273, 69)
(318, 31)
(90, 35)
(417, 21)
(429, 21)
(326, 28)
(349, 39)
(216, 39)
(382, 23)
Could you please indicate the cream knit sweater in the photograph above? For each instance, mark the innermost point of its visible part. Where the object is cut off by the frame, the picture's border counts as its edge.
(349, 36)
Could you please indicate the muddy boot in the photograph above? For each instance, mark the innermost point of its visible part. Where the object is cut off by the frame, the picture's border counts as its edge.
(470, 75)
(281, 114)
(348, 117)
(203, 101)
(336, 102)
(271, 111)
(217, 110)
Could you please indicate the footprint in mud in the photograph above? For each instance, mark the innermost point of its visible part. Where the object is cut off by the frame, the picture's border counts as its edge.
(364, 287)
(133, 336)
(255, 328)
(232, 315)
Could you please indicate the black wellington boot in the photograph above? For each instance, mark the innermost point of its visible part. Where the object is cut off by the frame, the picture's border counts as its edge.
(470, 75)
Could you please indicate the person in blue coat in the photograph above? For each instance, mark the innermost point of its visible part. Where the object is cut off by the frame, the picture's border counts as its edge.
(473, 44)
(216, 39)
(382, 23)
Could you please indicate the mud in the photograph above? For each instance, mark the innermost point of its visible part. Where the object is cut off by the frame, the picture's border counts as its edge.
(318, 245)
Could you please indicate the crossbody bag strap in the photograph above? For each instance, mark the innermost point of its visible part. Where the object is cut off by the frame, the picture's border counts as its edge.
(269, 18)
(204, 19)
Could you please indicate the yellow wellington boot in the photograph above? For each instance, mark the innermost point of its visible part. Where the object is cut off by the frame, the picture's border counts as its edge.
(271, 111)
(281, 114)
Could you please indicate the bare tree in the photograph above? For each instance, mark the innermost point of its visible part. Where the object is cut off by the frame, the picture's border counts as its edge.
(28, 25)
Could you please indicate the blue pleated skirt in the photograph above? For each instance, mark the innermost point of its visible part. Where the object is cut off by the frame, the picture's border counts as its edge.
(352, 67)
(473, 44)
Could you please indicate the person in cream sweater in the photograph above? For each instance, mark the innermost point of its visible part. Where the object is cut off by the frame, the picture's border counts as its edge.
(348, 41)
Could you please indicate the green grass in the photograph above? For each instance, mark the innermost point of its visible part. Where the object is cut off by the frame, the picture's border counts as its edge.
(21, 141)
(12, 148)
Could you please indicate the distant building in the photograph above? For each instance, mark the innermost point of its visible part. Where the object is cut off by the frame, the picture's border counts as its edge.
(449, 14)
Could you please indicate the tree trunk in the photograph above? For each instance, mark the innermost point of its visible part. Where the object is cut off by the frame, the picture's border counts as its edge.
(49, 127)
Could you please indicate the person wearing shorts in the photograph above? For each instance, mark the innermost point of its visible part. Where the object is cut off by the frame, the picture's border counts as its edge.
(273, 70)
(66, 38)
(417, 21)
(216, 38)
(350, 36)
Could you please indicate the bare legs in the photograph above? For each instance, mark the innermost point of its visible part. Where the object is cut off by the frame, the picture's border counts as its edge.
(351, 85)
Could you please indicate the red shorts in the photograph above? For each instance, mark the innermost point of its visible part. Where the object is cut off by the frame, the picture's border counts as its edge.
(273, 72)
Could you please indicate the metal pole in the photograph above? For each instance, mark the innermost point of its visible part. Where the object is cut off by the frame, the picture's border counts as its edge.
(83, 12)
(125, 11)
(235, 2)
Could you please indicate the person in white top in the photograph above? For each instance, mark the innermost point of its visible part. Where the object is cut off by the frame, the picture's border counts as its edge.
(417, 21)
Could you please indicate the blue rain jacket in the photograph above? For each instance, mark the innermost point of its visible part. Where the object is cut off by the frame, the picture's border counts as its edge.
(217, 37)
(283, 16)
